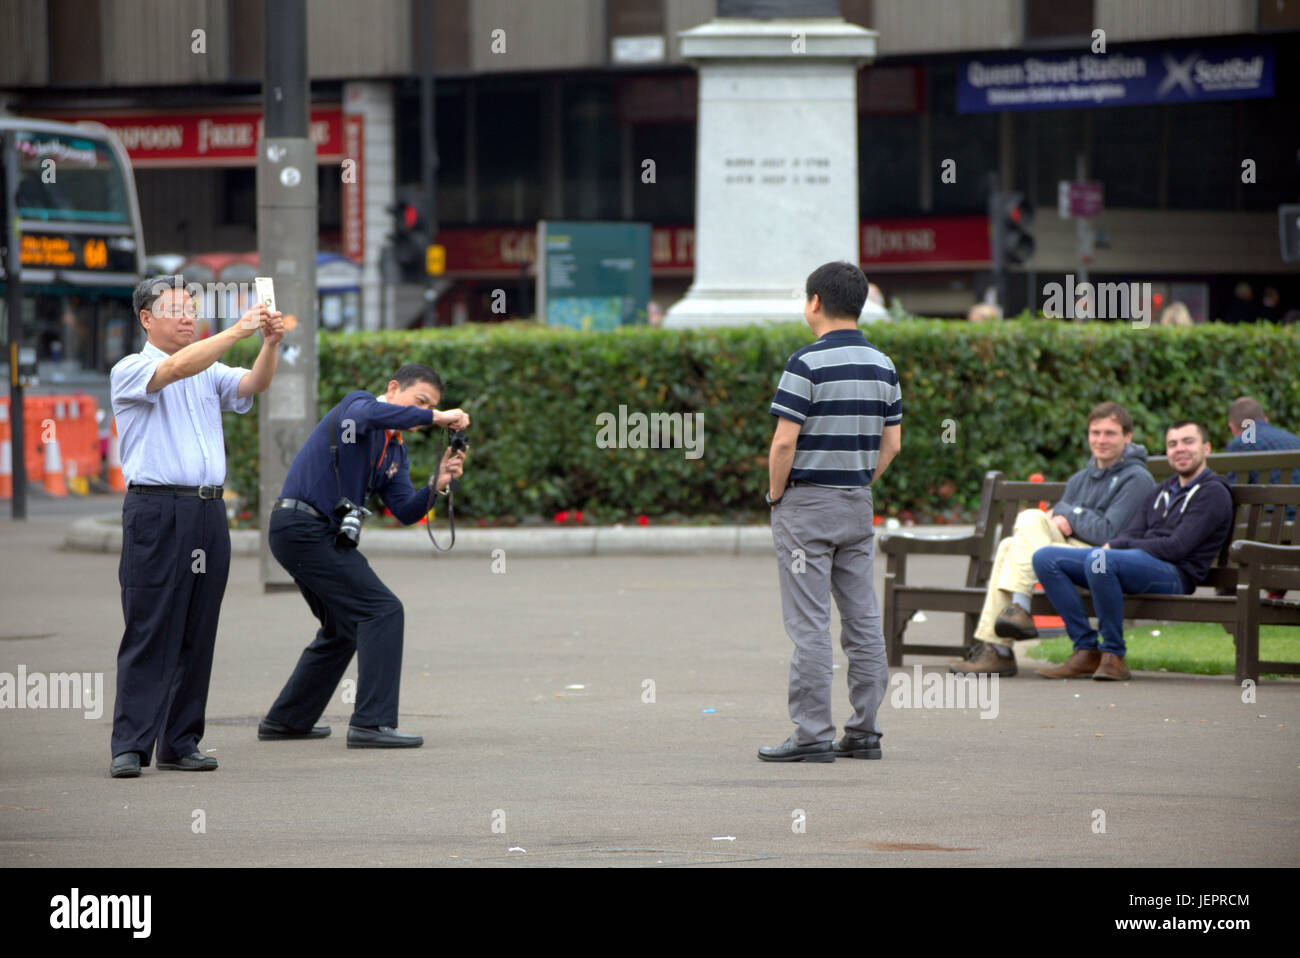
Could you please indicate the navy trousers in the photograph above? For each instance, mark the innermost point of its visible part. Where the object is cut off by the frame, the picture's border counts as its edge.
(357, 614)
(173, 570)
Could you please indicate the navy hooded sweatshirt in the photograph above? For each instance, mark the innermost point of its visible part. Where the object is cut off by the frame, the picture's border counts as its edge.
(1185, 526)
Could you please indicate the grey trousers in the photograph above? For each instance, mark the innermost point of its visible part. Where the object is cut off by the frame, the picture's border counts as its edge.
(824, 541)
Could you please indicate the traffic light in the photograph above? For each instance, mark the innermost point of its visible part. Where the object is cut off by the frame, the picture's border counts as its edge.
(1014, 228)
(410, 237)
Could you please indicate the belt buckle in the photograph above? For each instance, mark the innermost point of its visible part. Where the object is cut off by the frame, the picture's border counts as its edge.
(210, 490)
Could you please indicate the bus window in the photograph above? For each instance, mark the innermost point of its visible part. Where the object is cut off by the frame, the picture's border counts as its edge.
(65, 177)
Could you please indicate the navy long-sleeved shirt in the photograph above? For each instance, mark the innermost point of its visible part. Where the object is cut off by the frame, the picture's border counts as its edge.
(377, 453)
(1183, 525)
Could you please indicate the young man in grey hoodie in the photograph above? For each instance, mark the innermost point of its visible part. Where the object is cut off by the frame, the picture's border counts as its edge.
(1099, 501)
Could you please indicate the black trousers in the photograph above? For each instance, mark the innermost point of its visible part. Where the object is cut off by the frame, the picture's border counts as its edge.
(173, 570)
(357, 613)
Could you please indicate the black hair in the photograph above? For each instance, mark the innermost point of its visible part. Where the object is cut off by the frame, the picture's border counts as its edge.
(413, 373)
(842, 288)
(1205, 433)
(148, 290)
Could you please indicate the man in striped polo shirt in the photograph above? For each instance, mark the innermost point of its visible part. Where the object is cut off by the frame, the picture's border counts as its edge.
(839, 425)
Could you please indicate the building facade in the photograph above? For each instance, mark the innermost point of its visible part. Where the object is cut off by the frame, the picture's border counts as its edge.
(550, 110)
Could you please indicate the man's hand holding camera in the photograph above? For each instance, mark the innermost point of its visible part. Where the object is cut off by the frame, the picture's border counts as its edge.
(270, 322)
(451, 467)
(456, 420)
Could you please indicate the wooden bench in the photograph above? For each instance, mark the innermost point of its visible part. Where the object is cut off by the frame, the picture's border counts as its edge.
(1263, 552)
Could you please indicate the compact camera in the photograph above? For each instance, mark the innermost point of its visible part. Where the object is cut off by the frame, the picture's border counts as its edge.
(350, 515)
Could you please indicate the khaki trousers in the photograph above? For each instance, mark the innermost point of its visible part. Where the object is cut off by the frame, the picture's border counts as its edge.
(1013, 566)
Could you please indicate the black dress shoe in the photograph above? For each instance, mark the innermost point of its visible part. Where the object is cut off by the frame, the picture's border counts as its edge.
(382, 737)
(126, 765)
(787, 751)
(858, 746)
(194, 762)
(269, 731)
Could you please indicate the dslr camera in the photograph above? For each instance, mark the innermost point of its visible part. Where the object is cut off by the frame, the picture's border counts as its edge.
(350, 515)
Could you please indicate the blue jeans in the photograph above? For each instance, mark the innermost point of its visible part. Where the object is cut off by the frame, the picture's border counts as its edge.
(1108, 574)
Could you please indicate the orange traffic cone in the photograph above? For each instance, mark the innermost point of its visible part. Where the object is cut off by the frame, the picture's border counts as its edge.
(5, 460)
(54, 482)
(116, 481)
(6, 456)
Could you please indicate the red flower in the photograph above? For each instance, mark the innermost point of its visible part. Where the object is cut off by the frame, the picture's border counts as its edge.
(245, 515)
(643, 520)
(878, 520)
(562, 516)
(577, 515)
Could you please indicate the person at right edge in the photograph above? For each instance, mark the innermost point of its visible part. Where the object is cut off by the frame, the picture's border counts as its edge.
(357, 612)
(839, 424)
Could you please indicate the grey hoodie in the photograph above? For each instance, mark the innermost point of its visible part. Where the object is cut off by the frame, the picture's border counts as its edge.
(1098, 503)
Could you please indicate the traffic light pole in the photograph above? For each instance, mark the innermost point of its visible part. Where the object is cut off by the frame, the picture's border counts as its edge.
(14, 306)
(998, 242)
(428, 146)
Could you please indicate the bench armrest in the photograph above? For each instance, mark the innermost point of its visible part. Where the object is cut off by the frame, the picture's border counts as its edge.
(899, 543)
(1246, 551)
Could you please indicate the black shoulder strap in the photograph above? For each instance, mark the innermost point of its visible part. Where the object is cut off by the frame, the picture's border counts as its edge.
(334, 456)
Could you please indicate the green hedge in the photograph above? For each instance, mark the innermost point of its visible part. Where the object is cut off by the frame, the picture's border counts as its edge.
(1017, 394)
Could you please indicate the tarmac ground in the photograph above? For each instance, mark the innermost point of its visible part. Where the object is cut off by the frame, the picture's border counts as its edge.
(607, 711)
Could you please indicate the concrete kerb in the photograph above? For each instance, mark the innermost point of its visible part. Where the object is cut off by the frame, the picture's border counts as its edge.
(104, 534)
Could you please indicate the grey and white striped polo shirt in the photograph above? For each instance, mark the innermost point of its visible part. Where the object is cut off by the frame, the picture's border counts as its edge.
(843, 391)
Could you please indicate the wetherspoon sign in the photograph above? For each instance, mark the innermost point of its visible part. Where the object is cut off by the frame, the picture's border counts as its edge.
(210, 137)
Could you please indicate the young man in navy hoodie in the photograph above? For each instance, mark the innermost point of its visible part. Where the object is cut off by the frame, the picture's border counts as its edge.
(1167, 548)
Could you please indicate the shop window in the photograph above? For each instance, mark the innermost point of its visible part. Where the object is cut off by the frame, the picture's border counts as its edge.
(889, 154)
(1126, 148)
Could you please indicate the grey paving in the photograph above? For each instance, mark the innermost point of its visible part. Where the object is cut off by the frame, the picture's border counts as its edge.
(1185, 772)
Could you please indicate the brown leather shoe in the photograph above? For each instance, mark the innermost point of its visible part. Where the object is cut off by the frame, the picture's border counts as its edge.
(984, 657)
(1112, 668)
(1014, 622)
(1082, 662)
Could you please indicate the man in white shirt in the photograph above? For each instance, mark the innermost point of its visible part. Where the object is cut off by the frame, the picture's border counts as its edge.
(168, 400)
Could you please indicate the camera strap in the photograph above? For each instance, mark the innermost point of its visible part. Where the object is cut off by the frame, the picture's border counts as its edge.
(334, 456)
(451, 504)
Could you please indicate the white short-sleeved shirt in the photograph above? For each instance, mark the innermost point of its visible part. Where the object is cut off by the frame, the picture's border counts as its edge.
(173, 437)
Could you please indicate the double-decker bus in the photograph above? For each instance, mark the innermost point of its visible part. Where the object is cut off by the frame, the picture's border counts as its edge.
(82, 252)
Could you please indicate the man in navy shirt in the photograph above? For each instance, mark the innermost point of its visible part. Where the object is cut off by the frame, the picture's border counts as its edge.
(357, 612)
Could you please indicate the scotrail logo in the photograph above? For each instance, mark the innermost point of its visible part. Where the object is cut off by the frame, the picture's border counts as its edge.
(933, 690)
(54, 690)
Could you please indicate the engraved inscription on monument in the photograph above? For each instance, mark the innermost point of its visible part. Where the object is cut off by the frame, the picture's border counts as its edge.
(777, 170)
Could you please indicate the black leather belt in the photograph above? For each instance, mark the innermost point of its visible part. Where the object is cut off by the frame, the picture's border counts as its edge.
(296, 504)
(203, 492)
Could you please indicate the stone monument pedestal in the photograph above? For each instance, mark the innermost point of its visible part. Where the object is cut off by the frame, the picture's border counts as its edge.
(776, 191)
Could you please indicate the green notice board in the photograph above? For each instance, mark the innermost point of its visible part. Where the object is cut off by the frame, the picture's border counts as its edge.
(593, 275)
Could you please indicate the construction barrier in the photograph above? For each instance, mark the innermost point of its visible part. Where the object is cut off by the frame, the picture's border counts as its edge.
(68, 418)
